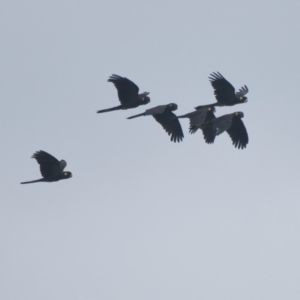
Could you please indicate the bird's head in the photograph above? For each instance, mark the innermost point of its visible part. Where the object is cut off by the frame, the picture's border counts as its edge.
(172, 106)
(240, 95)
(243, 99)
(239, 114)
(143, 98)
(67, 175)
(211, 108)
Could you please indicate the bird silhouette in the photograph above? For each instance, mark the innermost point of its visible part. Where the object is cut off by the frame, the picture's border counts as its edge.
(233, 124)
(51, 169)
(225, 92)
(164, 116)
(128, 93)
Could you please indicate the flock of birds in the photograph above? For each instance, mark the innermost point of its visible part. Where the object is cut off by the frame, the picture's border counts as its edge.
(202, 118)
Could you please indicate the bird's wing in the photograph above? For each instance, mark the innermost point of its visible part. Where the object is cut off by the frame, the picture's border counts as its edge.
(127, 90)
(209, 136)
(222, 123)
(215, 126)
(197, 118)
(223, 89)
(171, 125)
(242, 91)
(208, 133)
(49, 165)
(238, 133)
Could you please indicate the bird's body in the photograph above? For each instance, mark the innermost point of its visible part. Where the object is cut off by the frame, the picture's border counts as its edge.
(198, 117)
(225, 92)
(51, 169)
(163, 115)
(231, 123)
(127, 93)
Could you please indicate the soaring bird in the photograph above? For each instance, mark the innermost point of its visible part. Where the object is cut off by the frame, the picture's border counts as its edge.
(51, 169)
(200, 116)
(233, 124)
(128, 93)
(164, 116)
(225, 92)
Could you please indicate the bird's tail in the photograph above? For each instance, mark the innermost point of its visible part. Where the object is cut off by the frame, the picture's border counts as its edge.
(207, 105)
(135, 116)
(33, 181)
(109, 109)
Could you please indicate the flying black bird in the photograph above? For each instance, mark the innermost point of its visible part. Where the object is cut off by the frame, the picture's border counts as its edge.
(128, 93)
(51, 169)
(225, 92)
(233, 124)
(200, 116)
(164, 116)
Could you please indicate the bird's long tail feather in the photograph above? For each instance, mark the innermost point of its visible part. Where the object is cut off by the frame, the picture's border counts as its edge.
(109, 109)
(33, 181)
(135, 116)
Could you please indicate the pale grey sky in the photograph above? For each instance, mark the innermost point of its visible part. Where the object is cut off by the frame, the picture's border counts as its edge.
(142, 217)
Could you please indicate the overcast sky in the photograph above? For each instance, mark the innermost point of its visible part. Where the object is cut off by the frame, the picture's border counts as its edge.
(143, 217)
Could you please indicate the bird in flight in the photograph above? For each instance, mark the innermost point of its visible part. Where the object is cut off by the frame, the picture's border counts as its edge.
(225, 92)
(200, 116)
(128, 93)
(51, 168)
(166, 118)
(233, 124)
